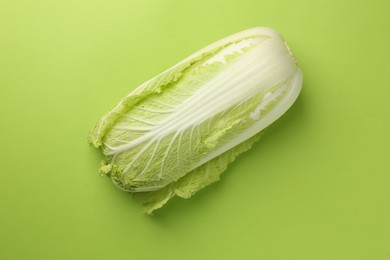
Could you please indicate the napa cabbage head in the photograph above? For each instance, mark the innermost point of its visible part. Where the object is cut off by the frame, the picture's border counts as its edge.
(177, 132)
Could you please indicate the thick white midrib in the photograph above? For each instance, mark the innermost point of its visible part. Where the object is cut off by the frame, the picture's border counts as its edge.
(172, 122)
(204, 100)
(287, 100)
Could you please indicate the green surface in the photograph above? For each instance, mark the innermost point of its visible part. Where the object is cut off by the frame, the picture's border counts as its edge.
(317, 186)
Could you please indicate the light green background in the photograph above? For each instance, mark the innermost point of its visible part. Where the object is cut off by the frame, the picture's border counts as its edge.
(317, 186)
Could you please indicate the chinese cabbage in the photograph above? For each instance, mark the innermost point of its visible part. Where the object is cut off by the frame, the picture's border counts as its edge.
(177, 132)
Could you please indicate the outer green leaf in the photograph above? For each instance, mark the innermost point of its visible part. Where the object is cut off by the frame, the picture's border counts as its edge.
(195, 180)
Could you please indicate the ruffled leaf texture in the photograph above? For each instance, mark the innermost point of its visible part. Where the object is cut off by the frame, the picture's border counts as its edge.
(195, 180)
